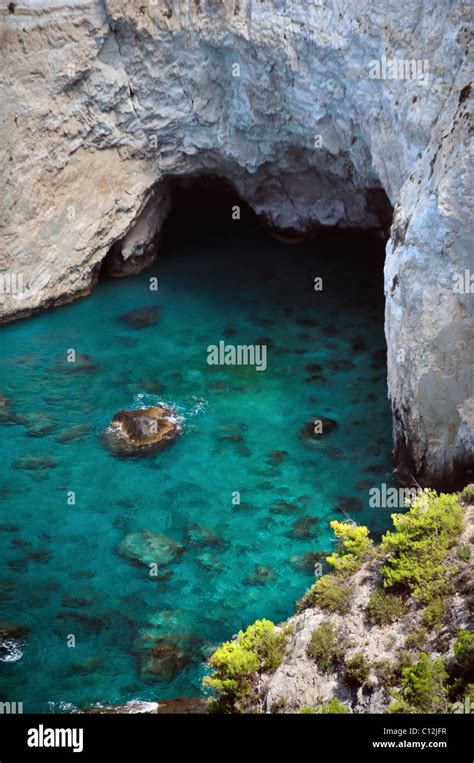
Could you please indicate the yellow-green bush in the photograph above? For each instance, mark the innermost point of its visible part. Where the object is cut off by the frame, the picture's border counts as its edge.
(356, 669)
(417, 548)
(423, 688)
(325, 647)
(354, 544)
(330, 593)
(235, 663)
(384, 608)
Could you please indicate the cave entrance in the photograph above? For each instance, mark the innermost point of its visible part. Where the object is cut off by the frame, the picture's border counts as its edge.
(315, 302)
(317, 305)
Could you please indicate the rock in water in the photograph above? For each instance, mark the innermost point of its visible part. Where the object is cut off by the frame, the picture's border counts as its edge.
(11, 637)
(304, 528)
(141, 318)
(145, 547)
(319, 427)
(142, 431)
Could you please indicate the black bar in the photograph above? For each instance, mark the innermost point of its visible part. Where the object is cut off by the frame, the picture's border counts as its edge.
(215, 738)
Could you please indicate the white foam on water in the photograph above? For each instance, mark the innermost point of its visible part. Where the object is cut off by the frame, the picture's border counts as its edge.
(14, 652)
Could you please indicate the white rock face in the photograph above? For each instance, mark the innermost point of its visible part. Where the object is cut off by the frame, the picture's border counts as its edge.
(105, 100)
(299, 682)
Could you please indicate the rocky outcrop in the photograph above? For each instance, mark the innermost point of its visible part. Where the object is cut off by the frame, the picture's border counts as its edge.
(313, 112)
(384, 645)
(141, 431)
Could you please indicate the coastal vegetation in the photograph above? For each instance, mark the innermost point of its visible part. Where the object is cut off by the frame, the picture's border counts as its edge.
(412, 576)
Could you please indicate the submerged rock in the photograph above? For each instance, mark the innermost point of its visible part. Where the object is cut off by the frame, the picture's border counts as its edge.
(316, 379)
(81, 364)
(41, 556)
(84, 597)
(153, 386)
(276, 457)
(209, 562)
(262, 574)
(88, 666)
(243, 450)
(283, 507)
(166, 646)
(318, 427)
(7, 415)
(346, 503)
(304, 528)
(145, 548)
(142, 317)
(40, 424)
(9, 630)
(336, 454)
(306, 562)
(164, 661)
(142, 431)
(73, 433)
(199, 535)
(35, 463)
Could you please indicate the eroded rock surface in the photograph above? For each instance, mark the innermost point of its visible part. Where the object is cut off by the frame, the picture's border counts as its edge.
(104, 100)
(141, 431)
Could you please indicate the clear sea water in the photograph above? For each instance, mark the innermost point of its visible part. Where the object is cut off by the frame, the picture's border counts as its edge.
(61, 573)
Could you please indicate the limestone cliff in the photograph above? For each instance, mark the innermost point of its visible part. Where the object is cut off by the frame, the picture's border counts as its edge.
(353, 637)
(313, 109)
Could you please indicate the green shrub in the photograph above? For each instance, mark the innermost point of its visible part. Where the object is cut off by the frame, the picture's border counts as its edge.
(389, 673)
(464, 552)
(423, 688)
(384, 608)
(329, 593)
(332, 595)
(467, 495)
(325, 647)
(308, 710)
(334, 707)
(433, 614)
(464, 651)
(354, 545)
(279, 705)
(417, 549)
(356, 669)
(235, 663)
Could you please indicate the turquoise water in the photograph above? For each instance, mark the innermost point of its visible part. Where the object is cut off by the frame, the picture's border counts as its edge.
(61, 572)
